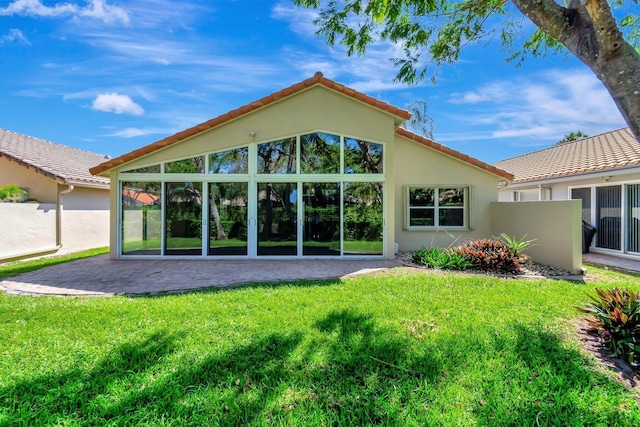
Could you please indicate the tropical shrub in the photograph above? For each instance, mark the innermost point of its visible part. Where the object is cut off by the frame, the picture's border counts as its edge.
(490, 255)
(515, 244)
(616, 314)
(11, 193)
(446, 259)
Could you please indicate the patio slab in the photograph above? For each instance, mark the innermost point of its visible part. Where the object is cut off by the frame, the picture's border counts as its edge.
(102, 276)
(612, 261)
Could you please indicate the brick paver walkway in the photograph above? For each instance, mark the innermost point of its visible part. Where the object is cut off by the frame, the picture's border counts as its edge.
(103, 276)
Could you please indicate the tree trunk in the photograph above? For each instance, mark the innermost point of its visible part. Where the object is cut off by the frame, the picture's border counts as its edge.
(220, 235)
(591, 33)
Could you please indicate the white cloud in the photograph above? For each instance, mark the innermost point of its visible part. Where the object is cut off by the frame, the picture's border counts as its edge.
(116, 103)
(96, 9)
(14, 35)
(536, 110)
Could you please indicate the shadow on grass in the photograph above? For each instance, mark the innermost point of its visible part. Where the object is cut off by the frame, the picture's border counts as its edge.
(346, 370)
(244, 286)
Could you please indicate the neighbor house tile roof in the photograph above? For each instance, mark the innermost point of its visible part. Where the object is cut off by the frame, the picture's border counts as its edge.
(66, 165)
(453, 153)
(609, 151)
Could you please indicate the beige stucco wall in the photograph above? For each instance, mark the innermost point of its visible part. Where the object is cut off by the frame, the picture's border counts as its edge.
(27, 227)
(556, 226)
(39, 186)
(417, 164)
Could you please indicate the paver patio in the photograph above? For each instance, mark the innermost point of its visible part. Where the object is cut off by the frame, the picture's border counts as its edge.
(102, 276)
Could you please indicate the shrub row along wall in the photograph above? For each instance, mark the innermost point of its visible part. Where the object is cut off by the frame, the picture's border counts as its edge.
(556, 226)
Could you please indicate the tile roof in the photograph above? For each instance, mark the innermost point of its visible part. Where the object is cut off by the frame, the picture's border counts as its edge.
(64, 164)
(453, 153)
(605, 152)
(317, 79)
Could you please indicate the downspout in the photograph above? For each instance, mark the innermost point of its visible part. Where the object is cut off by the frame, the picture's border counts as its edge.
(59, 215)
(542, 187)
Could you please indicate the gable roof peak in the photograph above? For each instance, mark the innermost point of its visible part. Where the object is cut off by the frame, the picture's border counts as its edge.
(317, 79)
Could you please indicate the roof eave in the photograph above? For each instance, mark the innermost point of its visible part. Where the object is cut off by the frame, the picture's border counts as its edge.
(504, 175)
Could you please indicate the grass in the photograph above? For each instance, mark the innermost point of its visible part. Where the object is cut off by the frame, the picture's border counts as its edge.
(399, 348)
(18, 267)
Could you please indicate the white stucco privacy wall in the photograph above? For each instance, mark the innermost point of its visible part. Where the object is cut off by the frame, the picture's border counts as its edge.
(556, 226)
(27, 227)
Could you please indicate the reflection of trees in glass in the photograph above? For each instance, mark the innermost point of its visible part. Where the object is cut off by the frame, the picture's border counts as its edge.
(321, 216)
(183, 210)
(146, 169)
(231, 200)
(141, 223)
(230, 161)
(277, 156)
(320, 153)
(362, 212)
(277, 204)
(191, 165)
(362, 156)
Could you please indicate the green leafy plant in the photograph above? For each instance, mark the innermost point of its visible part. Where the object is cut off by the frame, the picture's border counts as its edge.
(616, 314)
(515, 244)
(447, 259)
(11, 192)
(490, 255)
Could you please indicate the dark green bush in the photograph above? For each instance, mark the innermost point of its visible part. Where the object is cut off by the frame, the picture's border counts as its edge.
(490, 255)
(616, 314)
(446, 259)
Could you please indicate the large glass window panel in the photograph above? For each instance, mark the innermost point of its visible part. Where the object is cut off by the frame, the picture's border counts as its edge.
(277, 156)
(141, 218)
(609, 216)
(321, 232)
(451, 207)
(363, 226)
(146, 169)
(277, 218)
(230, 161)
(583, 194)
(228, 218)
(421, 197)
(362, 156)
(183, 212)
(422, 217)
(633, 218)
(320, 153)
(191, 165)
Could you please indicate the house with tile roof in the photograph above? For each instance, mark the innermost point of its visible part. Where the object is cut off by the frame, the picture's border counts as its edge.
(603, 171)
(314, 170)
(68, 208)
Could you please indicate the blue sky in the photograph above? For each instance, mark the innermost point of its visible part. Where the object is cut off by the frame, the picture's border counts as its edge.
(110, 76)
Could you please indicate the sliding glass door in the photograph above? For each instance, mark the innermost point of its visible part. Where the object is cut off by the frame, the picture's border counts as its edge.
(633, 218)
(608, 217)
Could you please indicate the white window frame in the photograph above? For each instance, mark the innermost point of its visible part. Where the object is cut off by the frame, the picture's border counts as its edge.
(436, 208)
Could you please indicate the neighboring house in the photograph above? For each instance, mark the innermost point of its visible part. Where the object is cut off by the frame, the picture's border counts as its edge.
(314, 170)
(68, 209)
(603, 171)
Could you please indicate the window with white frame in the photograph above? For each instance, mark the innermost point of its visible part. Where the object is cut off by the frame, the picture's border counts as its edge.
(429, 207)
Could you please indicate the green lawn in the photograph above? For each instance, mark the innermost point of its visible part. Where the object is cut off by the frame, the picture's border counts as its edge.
(399, 348)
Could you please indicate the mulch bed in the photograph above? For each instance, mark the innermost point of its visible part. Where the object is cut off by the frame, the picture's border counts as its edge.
(591, 343)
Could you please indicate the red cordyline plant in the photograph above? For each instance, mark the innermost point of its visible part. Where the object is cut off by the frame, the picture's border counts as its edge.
(616, 314)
